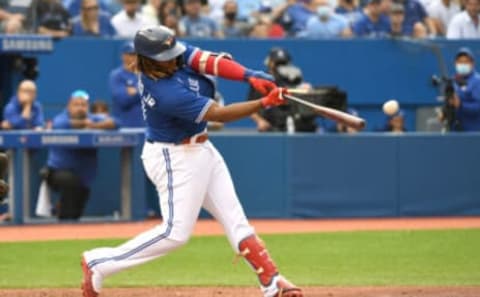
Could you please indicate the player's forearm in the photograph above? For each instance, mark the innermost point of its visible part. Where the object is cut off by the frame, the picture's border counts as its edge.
(232, 112)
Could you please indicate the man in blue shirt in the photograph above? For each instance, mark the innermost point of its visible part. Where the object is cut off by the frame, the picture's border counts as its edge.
(466, 101)
(126, 104)
(72, 170)
(326, 24)
(374, 22)
(298, 14)
(92, 21)
(193, 24)
(416, 16)
(23, 111)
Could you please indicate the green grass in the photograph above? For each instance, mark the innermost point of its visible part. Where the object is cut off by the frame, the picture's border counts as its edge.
(447, 257)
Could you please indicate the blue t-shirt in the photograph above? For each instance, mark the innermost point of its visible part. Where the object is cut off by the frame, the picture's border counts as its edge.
(174, 107)
(333, 27)
(414, 12)
(199, 27)
(81, 161)
(469, 112)
(364, 27)
(298, 14)
(105, 26)
(13, 114)
(74, 6)
(126, 108)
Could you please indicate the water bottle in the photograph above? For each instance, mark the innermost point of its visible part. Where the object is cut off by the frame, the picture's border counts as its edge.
(290, 125)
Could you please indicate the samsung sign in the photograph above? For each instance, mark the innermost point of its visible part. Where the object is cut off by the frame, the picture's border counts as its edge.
(26, 44)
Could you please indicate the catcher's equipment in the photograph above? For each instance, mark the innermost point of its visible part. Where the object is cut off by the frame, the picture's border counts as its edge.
(272, 283)
(3, 173)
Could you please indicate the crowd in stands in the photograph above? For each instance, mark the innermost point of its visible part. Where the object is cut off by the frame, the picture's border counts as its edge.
(317, 19)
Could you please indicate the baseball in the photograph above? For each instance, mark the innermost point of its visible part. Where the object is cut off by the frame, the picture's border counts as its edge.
(391, 107)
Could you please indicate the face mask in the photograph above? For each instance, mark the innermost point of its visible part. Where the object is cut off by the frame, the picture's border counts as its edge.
(463, 68)
(231, 16)
(323, 12)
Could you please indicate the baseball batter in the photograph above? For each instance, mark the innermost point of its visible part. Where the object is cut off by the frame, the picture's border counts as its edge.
(187, 170)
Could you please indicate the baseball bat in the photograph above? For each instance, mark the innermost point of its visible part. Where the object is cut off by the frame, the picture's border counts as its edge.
(330, 113)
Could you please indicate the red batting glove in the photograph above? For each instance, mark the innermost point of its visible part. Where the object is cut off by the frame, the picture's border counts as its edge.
(261, 85)
(274, 98)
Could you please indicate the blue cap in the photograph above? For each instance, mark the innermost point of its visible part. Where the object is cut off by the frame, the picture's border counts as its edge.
(128, 48)
(80, 94)
(465, 51)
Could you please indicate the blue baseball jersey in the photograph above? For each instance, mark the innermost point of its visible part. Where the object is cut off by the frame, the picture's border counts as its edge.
(82, 161)
(173, 107)
(127, 108)
(13, 114)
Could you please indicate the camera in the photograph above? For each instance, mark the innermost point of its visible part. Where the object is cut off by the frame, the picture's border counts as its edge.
(446, 85)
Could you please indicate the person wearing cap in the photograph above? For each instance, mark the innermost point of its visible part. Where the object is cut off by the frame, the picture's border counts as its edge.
(466, 100)
(374, 22)
(23, 111)
(466, 24)
(72, 170)
(126, 104)
(186, 168)
(397, 24)
(92, 21)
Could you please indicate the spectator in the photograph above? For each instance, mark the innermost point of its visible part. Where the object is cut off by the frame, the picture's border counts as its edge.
(72, 170)
(170, 14)
(151, 11)
(395, 123)
(10, 23)
(51, 18)
(215, 10)
(129, 20)
(296, 15)
(466, 24)
(74, 7)
(193, 24)
(123, 85)
(23, 111)
(466, 101)
(373, 22)
(231, 25)
(260, 29)
(441, 12)
(416, 18)
(326, 24)
(92, 21)
(100, 108)
(397, 28)
(248, 8)
(349, 9)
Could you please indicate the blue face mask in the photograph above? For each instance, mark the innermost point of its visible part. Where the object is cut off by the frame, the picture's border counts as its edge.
(463, 68)
(323, 11)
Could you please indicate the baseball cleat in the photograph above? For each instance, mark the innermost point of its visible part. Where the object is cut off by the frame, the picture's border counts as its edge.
(287, 289)
(87, 284)
(281, 287)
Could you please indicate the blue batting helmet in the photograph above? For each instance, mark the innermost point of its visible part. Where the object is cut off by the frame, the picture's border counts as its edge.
(158, 43)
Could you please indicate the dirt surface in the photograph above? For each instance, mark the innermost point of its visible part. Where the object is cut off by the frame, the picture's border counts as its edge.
(210, 227)
(254, 292)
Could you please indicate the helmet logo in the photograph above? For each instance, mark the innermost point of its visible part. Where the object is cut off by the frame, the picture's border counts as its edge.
(169, 41)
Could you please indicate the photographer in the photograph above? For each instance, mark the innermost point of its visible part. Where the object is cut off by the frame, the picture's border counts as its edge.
(462, 108)
(289, 117)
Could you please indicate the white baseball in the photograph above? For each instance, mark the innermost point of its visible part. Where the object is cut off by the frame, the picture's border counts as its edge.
(391, 107)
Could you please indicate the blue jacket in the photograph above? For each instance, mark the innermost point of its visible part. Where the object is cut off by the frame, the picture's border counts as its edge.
(13, 114)
(127, 109)
(82, 161)
(469, 112)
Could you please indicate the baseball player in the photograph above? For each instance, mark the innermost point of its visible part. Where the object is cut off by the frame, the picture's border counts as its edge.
(187, 170)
